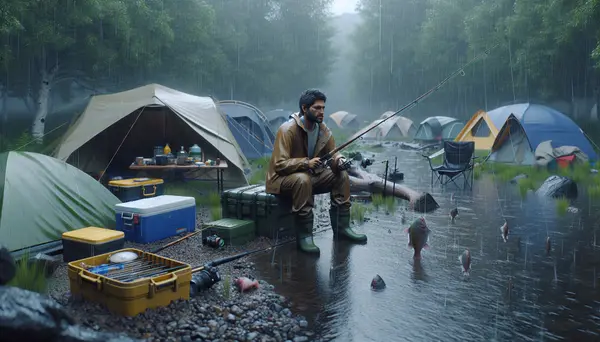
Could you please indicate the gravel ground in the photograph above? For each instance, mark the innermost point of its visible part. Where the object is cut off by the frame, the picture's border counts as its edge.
(260, 315)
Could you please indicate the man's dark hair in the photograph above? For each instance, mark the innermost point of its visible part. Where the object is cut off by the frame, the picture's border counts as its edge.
(309, 97)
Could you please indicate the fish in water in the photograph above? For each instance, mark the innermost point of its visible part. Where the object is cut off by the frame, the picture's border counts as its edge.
(465, 260)
(504, 231)
(453, 214)
(548, 245)
(418, 233)
(244, 284)
(377, 283)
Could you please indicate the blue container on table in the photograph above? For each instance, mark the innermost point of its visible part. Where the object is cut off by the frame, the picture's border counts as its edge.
(156, 218)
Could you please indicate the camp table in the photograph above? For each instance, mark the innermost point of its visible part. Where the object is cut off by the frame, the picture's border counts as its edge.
(187, 168)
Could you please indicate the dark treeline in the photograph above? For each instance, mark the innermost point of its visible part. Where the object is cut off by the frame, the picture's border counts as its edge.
(248, 50)
(267, 51)
(548, 51)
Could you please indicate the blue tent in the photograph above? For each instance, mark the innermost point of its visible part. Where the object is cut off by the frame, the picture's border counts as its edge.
(530, 124)
(249, 127)
(277, 117)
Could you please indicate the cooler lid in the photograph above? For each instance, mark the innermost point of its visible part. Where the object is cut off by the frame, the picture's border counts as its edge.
(93, 235)
(156, 204)
(135, 182)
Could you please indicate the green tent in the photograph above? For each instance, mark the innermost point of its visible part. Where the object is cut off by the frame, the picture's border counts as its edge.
(42, 197)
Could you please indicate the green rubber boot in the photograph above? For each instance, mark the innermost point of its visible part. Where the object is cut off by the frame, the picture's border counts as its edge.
(304, 234)
(340, 223)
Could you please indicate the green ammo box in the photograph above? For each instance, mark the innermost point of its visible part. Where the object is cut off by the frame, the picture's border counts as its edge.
(233, 231)
(271, 214)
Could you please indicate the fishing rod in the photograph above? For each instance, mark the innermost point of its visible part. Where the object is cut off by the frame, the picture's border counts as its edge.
(410, 105)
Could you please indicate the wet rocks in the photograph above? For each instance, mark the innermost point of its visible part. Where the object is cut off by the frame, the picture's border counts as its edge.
(241, 318)
(558, 186)
(29, 316)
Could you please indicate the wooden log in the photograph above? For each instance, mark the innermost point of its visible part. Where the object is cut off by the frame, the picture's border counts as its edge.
(361, 180)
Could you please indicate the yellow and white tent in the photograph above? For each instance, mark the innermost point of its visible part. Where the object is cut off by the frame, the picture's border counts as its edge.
(483, 127)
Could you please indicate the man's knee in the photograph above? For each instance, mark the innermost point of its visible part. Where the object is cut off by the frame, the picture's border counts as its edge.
(342, 178)
(300, 181)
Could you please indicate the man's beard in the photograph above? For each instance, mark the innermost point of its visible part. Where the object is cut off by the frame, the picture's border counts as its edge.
(311, 117)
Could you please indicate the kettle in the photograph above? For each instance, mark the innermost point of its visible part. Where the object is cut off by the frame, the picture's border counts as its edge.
(195, 151)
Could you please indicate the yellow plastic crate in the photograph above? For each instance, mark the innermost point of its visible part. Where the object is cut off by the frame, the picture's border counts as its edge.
(130, 298)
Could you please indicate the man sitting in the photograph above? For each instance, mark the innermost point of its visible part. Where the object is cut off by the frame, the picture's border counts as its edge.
(297, 171)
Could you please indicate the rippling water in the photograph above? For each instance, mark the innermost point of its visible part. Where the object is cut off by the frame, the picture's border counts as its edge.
(551, 298)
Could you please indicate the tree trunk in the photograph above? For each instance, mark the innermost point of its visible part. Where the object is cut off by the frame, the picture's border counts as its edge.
(3, 108)
(361, 180)
(38, 127)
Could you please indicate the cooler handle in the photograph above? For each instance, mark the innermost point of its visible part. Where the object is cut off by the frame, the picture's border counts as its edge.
(157, 286)
(148, 195)
(96, 280)
(127, 218)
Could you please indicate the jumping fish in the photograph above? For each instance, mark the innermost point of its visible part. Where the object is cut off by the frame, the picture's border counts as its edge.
(377, 283)
(453, 214)
(504, 231)
(418, 233)
(465, 260)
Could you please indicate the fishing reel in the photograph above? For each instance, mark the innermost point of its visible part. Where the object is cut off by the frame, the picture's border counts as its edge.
(366, 163)
(204, 280)
(214, 241)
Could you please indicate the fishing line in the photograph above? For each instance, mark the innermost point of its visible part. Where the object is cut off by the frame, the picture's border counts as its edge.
(408, 106)
(45, 134)
(121, 144)
(238, 130)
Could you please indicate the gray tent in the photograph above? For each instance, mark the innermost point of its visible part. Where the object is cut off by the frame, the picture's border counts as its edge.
(116, 128)
(277, 117)
(438, 128)
(249, 127)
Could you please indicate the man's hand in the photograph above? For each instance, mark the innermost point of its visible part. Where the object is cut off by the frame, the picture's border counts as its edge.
(343, 164)
(314, 163)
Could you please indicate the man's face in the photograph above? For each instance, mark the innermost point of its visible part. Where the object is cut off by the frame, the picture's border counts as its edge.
(316, 112)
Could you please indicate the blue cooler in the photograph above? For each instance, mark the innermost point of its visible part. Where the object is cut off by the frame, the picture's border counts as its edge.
(156, 218)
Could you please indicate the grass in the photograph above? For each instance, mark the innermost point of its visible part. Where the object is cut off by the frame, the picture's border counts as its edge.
(525, 184)
(580, 173)
(30, 276)
(377, 200)
(594, 191)
(216, 213)
(212, 201)
(259, 170)
(562, 204)
(358, 213)
(388, 202)
(227, 287)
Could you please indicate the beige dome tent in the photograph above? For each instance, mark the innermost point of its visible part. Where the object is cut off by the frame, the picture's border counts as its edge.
(393, 129)
(116, 128)
(344, 120)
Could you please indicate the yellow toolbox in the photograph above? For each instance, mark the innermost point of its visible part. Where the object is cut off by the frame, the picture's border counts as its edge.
(148, 282)
(133, 189)
(90, 241)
